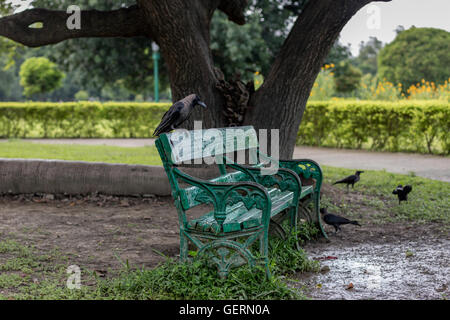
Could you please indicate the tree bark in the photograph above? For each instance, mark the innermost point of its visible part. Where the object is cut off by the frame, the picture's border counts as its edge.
(126, 22)
(287, 87)
(181, 29)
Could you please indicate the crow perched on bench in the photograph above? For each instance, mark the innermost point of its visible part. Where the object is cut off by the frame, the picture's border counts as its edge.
(178, 113)
(350, 180)
(402, 192)
(335, 221)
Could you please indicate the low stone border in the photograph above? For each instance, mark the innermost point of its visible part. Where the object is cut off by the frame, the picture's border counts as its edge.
(24, 176)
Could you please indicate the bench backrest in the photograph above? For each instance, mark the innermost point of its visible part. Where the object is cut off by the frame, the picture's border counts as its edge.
(196, 146)
(184, 146)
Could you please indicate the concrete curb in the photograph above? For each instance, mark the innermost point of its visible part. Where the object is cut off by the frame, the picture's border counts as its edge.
(22, 176)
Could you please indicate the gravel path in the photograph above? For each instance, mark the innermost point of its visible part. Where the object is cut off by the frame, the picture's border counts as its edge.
(428, 166)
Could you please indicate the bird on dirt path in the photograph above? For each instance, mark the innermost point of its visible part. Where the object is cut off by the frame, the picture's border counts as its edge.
(178, 113)
(350, 180)
(336, 221)
(402, 192)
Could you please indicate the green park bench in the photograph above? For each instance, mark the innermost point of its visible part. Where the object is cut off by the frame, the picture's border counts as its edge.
(246, 203)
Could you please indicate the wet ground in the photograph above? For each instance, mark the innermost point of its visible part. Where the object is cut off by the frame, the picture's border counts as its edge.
(375, 261)
(402, 270)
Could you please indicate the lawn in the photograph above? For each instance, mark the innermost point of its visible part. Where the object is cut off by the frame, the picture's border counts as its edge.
(109, 154)
(429, 200)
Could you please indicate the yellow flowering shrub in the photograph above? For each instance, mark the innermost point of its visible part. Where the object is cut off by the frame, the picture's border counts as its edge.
(324, 87)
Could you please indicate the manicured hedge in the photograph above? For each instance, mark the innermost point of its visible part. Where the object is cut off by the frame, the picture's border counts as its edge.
(420, 126)
(80, 119)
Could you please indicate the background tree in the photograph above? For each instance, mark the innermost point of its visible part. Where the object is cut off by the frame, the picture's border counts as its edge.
(416, 54)
(240, 51)
(346, 77)
(182, 30)
(367, 59)
(39, 76)
(339, 52)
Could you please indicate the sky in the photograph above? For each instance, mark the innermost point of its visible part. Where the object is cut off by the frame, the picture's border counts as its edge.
(380, 19)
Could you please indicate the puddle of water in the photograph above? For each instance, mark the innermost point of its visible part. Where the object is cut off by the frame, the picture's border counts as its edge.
(405, 270)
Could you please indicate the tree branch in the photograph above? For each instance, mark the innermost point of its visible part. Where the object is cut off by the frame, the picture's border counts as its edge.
(125, 22)
(234, 9)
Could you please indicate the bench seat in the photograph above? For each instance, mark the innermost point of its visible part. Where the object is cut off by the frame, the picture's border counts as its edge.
(240, 219)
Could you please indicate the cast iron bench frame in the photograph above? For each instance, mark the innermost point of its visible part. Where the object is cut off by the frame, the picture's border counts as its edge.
(245, 201)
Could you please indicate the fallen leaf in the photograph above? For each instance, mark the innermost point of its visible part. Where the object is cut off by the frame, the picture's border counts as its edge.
(350, 286)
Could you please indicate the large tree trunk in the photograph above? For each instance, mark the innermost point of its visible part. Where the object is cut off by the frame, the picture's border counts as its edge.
(281, 101)
(181, 29)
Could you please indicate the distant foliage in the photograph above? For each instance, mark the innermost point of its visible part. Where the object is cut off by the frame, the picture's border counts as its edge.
(415, 54)
(39, 76)
(324, 87)
(82, 95)
(347, 77)
(429, 90)
(373, 89)
(366, 60)
(240, 51)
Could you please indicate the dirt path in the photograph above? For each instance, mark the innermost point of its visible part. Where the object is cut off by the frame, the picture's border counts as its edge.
(390, 261)
(428, 166)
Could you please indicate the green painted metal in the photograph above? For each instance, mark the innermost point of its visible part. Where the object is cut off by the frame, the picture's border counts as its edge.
(244, 200)
(182, 145)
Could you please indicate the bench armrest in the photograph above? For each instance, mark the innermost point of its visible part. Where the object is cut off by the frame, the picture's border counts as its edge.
(223, 194)
(307, 168)
(288, 179)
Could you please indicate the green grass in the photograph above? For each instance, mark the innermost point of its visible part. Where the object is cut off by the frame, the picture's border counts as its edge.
(45, 278)
(109, 154)
(428, 201)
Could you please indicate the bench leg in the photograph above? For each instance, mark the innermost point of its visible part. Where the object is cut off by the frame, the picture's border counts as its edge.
(317, 209)
(183, 246)
(264, 251)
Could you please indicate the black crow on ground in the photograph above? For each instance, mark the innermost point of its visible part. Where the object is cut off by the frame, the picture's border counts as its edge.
(336, 221)
(402, 192)
(178, 113)
(350, 180)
